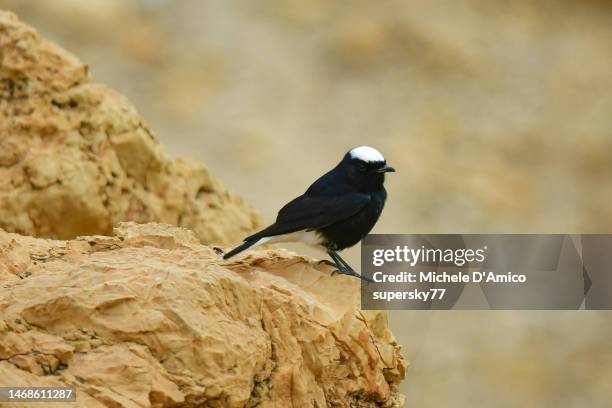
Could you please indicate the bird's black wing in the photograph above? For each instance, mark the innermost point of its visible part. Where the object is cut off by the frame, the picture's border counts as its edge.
(308, 212)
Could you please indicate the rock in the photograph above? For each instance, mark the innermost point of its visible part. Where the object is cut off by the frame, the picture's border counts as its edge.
(151, 318)
(76, 157)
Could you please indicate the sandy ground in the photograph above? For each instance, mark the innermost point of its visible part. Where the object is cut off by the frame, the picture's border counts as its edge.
(496, 116)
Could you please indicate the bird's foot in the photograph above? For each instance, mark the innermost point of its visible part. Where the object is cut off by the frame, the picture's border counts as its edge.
(326, 262)
(351, 272)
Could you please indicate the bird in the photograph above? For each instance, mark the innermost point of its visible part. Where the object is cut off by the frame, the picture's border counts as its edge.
(336, 212)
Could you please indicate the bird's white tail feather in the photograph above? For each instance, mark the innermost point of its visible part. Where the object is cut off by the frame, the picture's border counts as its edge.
(311, 238)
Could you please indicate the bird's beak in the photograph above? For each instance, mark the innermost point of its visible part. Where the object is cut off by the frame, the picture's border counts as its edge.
(386, 169)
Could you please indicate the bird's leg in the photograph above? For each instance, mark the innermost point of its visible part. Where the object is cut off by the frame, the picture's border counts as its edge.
(344, 268)
(343, 262)
(337, 263)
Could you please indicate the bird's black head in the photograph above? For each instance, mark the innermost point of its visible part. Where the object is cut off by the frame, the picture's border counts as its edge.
(364, 168)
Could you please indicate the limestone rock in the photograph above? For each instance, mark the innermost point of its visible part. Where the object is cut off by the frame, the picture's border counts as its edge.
(76, 157)
(150, 318)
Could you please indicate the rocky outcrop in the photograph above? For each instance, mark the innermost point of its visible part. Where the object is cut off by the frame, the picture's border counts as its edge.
(151, 318)
(76, 157)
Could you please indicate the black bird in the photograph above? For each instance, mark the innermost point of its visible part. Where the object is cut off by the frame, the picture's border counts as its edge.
(336, 212)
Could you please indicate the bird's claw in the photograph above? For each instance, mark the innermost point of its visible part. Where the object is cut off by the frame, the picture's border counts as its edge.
(351, 272)
(326, 262)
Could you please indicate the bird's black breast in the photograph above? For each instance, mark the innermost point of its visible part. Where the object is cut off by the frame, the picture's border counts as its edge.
(351, 230)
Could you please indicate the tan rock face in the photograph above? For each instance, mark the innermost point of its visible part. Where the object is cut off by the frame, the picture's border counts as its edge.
(151, 318)
(76, 158)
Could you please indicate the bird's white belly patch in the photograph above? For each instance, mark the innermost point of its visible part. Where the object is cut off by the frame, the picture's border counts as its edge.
(311, 238)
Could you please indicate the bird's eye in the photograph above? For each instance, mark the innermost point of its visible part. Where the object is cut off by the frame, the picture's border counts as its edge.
(362, 167)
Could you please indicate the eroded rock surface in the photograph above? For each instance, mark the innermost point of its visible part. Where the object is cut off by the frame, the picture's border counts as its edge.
(76, 157)
(151, 318)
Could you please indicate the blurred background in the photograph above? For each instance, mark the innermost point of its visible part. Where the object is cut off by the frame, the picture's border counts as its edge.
(496, 115)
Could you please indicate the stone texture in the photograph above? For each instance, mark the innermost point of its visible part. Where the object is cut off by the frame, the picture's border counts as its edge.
(76, 157)
(151, 318)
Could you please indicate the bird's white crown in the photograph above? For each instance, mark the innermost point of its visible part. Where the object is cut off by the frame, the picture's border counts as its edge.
(366, 154)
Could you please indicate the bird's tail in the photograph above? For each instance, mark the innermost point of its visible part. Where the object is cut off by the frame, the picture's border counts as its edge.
(240, 248)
